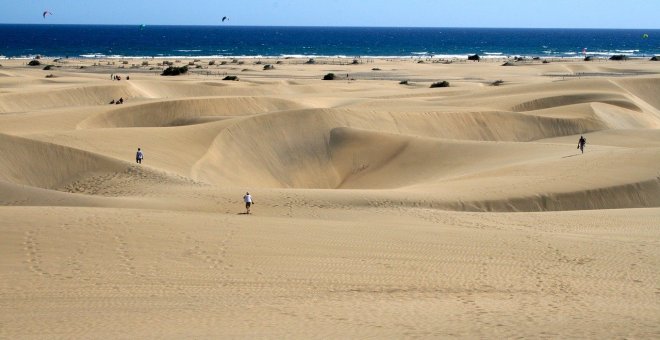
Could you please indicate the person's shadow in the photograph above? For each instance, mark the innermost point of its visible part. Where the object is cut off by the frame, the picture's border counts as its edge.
(243, 213)
(577, 154)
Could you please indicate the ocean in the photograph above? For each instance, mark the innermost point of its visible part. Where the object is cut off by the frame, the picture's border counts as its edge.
(108, 41)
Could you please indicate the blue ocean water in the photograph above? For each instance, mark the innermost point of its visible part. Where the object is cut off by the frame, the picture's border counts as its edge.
(91, 41)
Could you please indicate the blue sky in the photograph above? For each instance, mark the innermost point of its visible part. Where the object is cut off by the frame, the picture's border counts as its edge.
(409, 13)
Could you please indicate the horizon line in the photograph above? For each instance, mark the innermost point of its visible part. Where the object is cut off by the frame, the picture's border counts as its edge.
(320, 26)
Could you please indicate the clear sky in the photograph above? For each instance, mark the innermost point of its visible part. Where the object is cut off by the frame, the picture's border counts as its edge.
(393, 13)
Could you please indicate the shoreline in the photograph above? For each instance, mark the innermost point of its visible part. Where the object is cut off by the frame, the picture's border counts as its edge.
(594, 55)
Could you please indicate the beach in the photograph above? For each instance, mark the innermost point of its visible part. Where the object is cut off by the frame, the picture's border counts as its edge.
(383, 207)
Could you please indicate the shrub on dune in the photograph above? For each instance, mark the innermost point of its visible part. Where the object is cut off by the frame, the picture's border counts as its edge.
(443, 83)
(48, 67)
(619, 57)
(329, 76)
(268, 67)
(174, 71)
(655, 58)
(475, 57)
(588, 58)
(403, 82)
(232, 78)
(34, 62)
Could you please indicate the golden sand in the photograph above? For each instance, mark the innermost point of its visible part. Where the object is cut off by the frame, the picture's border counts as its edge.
(381, 210)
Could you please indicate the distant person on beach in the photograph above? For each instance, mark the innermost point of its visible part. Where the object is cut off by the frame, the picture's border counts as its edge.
(112, 77)
(121, 100)
(581, 143)
(128, 78)
(248, 202)
(139, 156)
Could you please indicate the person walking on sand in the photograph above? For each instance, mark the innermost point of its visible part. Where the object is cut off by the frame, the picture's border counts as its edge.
(139, 156)
(248, 202)
(581, 143)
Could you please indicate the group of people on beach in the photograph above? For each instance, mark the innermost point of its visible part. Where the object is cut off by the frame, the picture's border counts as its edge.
(139, 156)
(118, 101)
(118, 77)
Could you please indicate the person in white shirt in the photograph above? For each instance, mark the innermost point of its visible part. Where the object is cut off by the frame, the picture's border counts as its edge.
(248, 202)
(139, 156)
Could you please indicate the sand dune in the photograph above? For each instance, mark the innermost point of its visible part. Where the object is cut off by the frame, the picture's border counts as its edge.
(50, 166)
(185, 111)
(644, 89)
(46, 165)
(295, 150)
(381, 209)
(76, 96)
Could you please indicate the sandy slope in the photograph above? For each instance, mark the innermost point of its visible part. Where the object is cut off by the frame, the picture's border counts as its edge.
(382, 210)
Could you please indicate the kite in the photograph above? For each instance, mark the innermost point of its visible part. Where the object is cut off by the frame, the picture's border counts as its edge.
(225, 19)
(47, 13)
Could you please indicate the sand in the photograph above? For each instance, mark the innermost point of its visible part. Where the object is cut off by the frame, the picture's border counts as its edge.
(381, 210)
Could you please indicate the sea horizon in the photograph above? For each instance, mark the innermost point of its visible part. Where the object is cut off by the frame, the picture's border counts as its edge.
(337, 26)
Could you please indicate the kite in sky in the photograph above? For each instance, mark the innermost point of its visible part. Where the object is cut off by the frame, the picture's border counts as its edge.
(47, 13)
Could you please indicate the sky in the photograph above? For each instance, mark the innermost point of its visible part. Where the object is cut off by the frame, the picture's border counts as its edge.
(639, 14)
